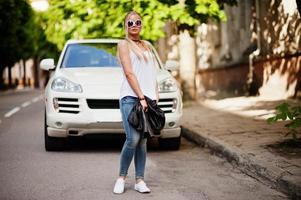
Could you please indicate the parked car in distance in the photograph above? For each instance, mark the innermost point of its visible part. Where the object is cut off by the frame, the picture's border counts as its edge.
(82, 94)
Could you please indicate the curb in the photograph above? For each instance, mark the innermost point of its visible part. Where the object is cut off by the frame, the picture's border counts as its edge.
(272, 176)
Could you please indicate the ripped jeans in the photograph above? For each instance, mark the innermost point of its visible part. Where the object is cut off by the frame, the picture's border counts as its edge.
(135, 144)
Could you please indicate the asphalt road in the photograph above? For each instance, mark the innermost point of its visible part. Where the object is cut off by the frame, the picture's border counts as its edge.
(87, 171)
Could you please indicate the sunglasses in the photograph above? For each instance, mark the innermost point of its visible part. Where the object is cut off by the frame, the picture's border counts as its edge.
(131, 23)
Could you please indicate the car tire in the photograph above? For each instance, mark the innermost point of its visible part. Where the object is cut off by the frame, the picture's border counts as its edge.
(170, 143)
(53, 143)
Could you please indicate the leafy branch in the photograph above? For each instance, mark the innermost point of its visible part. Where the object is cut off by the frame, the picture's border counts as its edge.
(292, 113)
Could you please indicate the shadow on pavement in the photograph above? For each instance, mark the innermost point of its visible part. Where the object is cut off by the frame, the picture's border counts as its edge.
(103, 143)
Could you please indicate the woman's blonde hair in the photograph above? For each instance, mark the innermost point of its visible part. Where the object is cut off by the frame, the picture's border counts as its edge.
(132, 45)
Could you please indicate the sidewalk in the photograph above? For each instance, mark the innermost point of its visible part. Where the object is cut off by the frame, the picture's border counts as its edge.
(235, 128)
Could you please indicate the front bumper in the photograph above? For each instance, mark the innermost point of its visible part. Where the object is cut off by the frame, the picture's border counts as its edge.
(55, 132)
(99, 121)
(64, 125)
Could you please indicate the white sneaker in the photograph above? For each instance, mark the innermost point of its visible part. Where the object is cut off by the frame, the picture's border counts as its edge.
(119, 186)
(141, 187)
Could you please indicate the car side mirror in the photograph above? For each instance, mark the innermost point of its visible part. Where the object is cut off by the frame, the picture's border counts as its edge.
(47, 64)
(172, 65)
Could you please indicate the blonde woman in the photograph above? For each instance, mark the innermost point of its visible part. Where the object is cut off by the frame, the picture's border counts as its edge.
(139, 79)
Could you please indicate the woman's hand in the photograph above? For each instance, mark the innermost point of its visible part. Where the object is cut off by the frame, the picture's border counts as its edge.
(144, 105)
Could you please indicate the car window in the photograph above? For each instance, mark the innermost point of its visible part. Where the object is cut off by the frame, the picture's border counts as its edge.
(90, 55)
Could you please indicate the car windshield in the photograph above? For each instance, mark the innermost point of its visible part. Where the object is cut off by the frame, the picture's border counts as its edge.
(91, 55)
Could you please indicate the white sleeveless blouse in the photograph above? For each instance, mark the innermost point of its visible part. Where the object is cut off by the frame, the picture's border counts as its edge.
(145, 72)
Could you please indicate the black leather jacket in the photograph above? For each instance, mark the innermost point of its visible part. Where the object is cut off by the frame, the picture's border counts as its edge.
(152, 121)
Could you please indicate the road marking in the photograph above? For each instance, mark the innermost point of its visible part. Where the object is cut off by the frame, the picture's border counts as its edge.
(27, 103)
(35, 99)
(12, 111)
(40, 97)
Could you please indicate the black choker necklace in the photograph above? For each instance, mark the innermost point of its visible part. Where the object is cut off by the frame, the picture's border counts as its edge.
(138, 40)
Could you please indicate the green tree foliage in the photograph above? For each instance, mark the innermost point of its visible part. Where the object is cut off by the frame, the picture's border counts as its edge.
(78, 19)
(15, 17)
(21, 34)
(43, 48)
(287, 112)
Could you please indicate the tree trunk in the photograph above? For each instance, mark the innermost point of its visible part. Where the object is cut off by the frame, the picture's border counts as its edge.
(20, 71)
(24, 74)
(187, 71)
(9, 76)
(36, 72)
(1, 77)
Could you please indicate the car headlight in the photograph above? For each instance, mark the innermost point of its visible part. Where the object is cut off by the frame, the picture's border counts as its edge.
(168, 85)
(61, 84)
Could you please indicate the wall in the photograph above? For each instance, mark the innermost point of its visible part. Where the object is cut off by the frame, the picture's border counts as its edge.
(274, 78)
(279, 78)
(223, 82)
(227, 43)
(226, 47)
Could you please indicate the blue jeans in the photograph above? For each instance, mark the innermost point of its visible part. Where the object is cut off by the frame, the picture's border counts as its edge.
(135, 144)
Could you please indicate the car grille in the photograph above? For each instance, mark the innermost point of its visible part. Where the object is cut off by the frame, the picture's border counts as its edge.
(165, 104)
(103, 103)
(68, 105)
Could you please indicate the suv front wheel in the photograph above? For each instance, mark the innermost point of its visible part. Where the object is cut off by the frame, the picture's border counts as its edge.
(53, 143)
(170, 143)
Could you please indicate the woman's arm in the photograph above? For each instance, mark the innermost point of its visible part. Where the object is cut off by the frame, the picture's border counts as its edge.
(124, 57)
